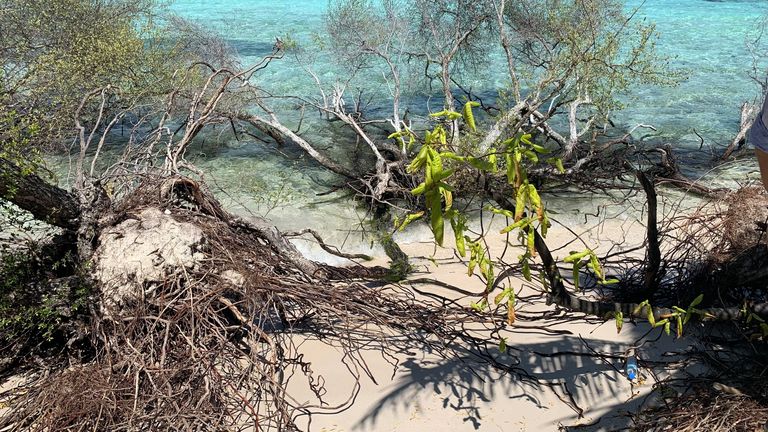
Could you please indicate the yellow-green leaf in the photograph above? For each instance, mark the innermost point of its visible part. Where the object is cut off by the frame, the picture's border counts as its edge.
(479, 306)
(500, 296)
(526, 269)
(493, 162)
(469, 117)
(696, 301)
(531, 240)
(458, 224)
(577, 256)
(532, 156)
(448, 198)
(640, 308)
(522, 223)
(437, 223)
(461, 246)
(442, 113)
(520, 200)
(596, 266)
(471, 266)
(511, 171)
(539, 149)
(499, 211)
(576, 275)
(544, 225)
(651, 318)
(418, 190)
(488, 274)
(410, 218)
(511, 310)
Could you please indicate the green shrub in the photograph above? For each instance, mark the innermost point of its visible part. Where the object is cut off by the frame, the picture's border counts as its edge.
(38, 295)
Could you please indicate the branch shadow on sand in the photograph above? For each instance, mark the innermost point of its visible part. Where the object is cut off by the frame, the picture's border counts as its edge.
(534, 385)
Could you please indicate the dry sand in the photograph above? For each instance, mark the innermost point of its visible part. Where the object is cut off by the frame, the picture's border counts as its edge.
(426, 392)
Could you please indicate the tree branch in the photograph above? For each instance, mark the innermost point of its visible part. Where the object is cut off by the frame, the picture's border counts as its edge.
(45, 201)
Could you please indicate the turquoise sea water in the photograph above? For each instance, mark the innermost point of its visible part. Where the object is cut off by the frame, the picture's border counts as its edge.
(706, 38)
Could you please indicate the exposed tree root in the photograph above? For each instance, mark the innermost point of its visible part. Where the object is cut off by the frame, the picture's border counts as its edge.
(216, 343)
(705, 409)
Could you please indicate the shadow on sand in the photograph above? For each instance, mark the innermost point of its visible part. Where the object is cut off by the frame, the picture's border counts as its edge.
(547, 383)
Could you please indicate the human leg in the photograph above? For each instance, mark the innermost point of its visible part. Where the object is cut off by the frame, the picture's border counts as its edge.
(762, 161)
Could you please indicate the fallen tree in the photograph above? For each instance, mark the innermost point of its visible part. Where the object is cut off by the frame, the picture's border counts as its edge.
(200, 320)
(194, 316)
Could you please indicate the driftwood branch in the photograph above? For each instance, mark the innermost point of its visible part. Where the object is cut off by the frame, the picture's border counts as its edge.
(748, 113)
(625, 138)
(573, 128)
(669, 173)
(330, 249)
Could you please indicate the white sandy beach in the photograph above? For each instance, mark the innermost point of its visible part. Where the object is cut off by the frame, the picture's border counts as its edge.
(426, 392)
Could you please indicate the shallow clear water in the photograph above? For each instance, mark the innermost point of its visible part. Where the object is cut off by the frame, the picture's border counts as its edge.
(707, 38)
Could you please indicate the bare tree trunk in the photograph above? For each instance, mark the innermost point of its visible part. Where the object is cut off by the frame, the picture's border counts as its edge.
(507, 45)
(653, 252)
(447, 93)
(543, 126)
(748, 112)
(573, 127)
(45, 201)
(503, 123)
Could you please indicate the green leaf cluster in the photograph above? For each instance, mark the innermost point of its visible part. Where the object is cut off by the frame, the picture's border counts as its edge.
(17, 133)
(518, 149)
(587, 258)
(618, 51)
(529, 215)
(437, 193)
(678, 317)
